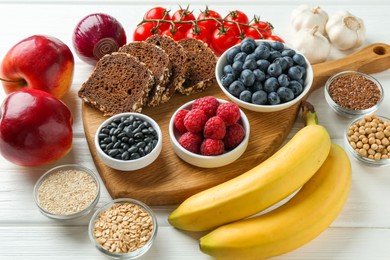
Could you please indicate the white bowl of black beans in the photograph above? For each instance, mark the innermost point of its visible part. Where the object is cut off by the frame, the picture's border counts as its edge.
(263, 75)
(128, 141)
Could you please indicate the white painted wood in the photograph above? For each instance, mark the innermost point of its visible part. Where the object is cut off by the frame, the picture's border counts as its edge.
(361, 231)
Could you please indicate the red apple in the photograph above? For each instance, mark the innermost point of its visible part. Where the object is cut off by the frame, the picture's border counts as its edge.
(35, 128)
(39, 62)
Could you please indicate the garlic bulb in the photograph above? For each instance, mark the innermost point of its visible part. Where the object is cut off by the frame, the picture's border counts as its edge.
(312, 44)
(305, 16)
(345, 31)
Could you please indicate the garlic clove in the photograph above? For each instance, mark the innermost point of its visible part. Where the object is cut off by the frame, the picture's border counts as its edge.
(305, 16)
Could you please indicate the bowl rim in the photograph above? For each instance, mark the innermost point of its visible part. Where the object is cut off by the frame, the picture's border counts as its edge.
(129, 255)
(155, 151)
(81, 213)
(265, 108)
(173, 136)
(367, 161)
(351, 112)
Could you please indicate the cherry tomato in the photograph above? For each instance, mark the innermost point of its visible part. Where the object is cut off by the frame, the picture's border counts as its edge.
(183, 15)
(264, 29)
(239, 17)
(209, 14)
(174, 34)
(199, 32)
(223, 39)
(159, 13)
(275, 38)
(143, 31)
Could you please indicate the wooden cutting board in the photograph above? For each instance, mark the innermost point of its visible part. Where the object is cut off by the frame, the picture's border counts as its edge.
(169, 180)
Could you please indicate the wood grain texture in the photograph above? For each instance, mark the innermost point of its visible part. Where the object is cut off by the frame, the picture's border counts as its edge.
(169, 180)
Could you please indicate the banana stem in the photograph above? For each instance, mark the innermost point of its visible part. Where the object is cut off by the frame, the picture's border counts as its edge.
(309, 114)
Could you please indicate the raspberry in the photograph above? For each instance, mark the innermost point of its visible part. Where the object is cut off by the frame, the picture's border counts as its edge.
(195, 120)
(191, 141)
(179, 121)
(214, 128)
(229, 112)
(234, 136)
(211, 147)
(208, 104)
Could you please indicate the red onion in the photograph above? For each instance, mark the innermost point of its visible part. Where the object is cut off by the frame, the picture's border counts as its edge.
(97, 35)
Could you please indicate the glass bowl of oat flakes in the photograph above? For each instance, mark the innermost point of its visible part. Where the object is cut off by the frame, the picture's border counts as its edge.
(123, 229)
(67, 192)
(352, 94)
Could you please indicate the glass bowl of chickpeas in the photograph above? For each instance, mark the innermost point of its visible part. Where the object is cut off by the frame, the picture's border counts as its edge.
(368, 139)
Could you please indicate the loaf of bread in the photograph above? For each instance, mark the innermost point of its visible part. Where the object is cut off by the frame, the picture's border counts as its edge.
(178, 58)
(157, 61)
(202, 62)
(119, 83)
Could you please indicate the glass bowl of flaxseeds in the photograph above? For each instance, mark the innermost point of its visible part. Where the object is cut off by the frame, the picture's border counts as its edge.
(352, 94)
(67, 192)
(123, 228)
(367, 138)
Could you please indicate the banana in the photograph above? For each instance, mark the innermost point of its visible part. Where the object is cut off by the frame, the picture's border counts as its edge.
(261, 187)
(309, 212)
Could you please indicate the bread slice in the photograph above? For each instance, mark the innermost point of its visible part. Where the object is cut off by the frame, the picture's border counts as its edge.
(202, 62)
(178, 57)
(119, 83)
(157, 61)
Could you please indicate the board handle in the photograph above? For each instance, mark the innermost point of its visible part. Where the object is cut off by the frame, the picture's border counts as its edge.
(371, 59)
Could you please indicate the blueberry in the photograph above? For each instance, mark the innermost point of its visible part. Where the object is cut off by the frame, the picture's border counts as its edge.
(231, 54)
(282, 62)
(296, 87)
(256, 86)
(283, 80)
(227, 69)
(263, 64)
(288, 53)
(262, 52)
(236, 88)
(285, 94)
(247, 77)
(273, 98)
(271, 85)
(274, 70)
(259, 97)
(248, 45)
(250, 64)
(246, 96)
(299, 59)
(240, 57)
(227, 79)
(266, 44)
(237, 68)
(279, 46)
(252, 56)
(289, 61)
(302, 69)
(273, 55)
(294, 73)
(259, 75)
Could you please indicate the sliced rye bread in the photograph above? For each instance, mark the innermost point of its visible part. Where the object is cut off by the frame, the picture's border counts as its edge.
(157, 61)
(178, 58)
(202, 62)
(119, 83)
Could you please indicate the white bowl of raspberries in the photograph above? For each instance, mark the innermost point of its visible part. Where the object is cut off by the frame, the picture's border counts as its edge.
(209, 132)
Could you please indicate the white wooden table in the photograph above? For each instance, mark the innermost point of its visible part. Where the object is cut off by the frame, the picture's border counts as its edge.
(361, 231)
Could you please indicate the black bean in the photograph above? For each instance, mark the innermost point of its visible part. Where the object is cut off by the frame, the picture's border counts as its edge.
(118, 156)
(141, 144)
(148, 148)
(121, 135)
(154, 143)
(137, 130)
(102, 135)
(129, 132)
(113, 152)
(103, 146)
(121, 126)
(133, 149)
(125, 139)
(131, 141)
(139, 136)
(146, 131)
(117, 131)
(112, 131)
(148, 140)
(109, 146)
(125, 156)
(141, 152)
(114, 124)
(125, 146)
(134, 156)
(114, 139)
(105, 131)
(117, 144)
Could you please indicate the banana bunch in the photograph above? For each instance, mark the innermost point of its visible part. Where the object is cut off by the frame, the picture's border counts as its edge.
(308, 213)
(259, 188)
(309, 163)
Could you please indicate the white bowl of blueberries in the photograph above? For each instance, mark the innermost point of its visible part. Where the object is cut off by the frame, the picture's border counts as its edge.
(128, 141)
(264, 76)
